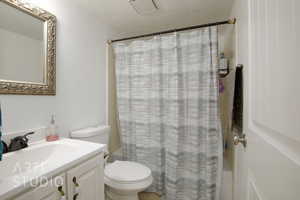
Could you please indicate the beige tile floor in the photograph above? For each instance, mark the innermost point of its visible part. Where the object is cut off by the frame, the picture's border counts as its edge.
(148, 196)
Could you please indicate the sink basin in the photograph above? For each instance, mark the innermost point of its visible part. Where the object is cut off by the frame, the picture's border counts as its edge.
(33, 159)
(41, 160)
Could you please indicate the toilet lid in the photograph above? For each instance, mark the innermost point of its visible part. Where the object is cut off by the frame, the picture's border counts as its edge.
(125, 171)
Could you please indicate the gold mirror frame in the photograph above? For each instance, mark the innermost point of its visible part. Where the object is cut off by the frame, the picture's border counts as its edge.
(28, 88)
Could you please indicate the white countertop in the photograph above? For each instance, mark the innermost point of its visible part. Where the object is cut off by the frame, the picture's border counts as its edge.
(42, 160)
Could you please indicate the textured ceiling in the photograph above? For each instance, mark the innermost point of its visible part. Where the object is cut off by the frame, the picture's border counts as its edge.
(124, 21)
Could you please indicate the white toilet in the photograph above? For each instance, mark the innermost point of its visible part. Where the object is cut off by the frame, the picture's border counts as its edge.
(124, 179)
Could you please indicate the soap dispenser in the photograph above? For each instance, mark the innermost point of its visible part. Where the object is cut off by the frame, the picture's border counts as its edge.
(52, 134)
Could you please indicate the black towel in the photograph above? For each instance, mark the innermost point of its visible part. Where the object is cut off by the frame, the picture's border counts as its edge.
(237, 116)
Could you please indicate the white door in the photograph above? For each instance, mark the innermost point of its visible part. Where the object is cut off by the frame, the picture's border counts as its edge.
(53, 189)
(85, 182)
(268, 40)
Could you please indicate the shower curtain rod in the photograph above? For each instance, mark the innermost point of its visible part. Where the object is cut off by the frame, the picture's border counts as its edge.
(230, 21)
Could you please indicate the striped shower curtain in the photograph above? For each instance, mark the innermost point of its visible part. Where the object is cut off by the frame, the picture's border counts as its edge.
(167, 96)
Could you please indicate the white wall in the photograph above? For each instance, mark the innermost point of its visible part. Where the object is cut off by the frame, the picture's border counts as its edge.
(81, 76)
(227, 42)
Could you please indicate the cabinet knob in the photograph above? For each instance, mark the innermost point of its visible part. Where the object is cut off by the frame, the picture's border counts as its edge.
(75, 182)
(75, 196)
(62, 193)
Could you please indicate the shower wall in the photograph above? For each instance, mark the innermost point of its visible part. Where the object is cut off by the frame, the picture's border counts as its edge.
(227, 46)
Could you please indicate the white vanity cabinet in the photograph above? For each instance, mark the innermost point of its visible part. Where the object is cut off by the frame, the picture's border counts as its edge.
(83, 181)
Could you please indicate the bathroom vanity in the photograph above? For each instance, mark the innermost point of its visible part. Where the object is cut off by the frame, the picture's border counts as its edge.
(63, 170)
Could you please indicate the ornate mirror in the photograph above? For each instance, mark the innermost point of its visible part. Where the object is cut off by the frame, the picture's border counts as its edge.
(27, 49)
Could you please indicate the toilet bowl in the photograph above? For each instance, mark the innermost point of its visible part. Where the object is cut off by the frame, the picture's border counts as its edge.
(124, 180)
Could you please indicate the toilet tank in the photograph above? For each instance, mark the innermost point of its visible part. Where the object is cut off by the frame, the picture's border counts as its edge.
(99, 134)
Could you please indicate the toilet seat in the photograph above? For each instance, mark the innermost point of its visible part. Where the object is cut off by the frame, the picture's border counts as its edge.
(127, 175)
(127, 172)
